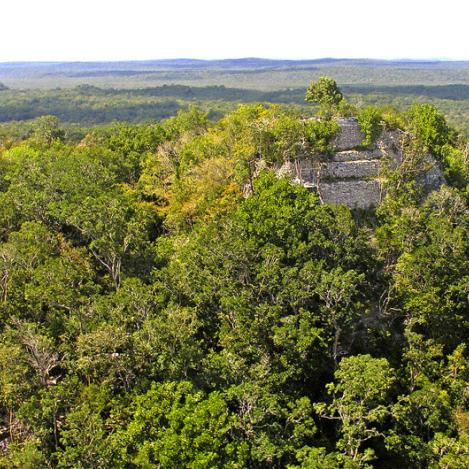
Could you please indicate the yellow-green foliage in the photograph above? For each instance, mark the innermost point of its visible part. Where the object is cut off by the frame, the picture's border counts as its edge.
(371, 123)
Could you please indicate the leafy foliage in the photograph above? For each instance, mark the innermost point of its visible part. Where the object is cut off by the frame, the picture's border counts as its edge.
(166, 300)
(370, 122)
(324, 92)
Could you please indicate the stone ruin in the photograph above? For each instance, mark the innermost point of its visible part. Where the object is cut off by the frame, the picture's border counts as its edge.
(352, 175)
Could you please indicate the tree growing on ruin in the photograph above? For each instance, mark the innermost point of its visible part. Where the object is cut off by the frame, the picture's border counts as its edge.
(324, 92)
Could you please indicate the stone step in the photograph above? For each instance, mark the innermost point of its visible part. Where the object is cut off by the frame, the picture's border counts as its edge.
(357, 169)
(355, 194)
(356, 155)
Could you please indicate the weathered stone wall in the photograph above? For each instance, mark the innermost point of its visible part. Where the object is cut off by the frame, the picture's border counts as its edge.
(302, 171)
(390, 146)
(355, 169)
(432, 178)
(352, 175)
(354, 155)
(350, 135)
(354, 193)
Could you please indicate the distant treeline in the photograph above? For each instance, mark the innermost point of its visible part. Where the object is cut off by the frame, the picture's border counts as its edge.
(202, 93)
(92, 105)
(296, 95)
(149, 66)
(89, 105)
(80, 109)
(454, 92)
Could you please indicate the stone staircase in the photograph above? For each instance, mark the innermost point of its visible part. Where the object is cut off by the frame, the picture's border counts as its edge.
(352, 175)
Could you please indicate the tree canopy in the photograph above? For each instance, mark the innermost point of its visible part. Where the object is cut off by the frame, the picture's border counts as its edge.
(167, 300)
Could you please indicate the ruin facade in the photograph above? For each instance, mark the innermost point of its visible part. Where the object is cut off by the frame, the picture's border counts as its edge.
(353, 174)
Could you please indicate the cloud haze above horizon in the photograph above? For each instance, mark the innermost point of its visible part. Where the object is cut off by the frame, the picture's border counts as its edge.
(54, 30)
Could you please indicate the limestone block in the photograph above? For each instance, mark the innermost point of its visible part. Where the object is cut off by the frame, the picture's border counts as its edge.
(351, 169)
(432, 178)
(355, 194)
(302, 171)
(286, 170)
(389, 143)
(349, 136)
(354, 155)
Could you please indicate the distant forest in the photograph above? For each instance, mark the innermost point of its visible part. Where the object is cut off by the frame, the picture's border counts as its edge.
(96, 93)
(91, 105)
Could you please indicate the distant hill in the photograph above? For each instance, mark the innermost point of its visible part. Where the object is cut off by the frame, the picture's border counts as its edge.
(22, 70)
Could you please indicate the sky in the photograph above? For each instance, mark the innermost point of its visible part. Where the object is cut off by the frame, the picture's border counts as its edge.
(81, 30)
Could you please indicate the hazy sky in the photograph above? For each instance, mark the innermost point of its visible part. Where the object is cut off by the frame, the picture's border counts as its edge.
(152, 29)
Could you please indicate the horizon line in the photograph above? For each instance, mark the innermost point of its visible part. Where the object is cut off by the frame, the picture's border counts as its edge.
(277, 59)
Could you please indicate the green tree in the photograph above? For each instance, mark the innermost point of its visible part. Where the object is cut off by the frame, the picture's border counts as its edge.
(360, 403)
(84, 436)
(17, 381)
(173, 425)
(371, 123)
(429, 126)
(113, 227)
(106, 356)
(47, 130)
(324, 92)
(341, 308)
